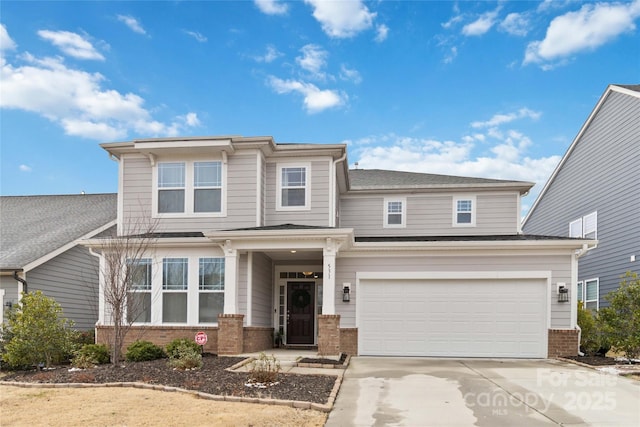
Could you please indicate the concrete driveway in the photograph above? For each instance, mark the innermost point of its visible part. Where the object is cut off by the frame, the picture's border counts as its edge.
(379, 391)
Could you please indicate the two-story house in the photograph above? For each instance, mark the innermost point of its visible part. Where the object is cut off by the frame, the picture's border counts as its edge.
(254, 237)
(594, 193)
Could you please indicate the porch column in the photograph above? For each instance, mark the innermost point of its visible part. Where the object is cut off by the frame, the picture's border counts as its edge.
(329, 278)
(230, 279)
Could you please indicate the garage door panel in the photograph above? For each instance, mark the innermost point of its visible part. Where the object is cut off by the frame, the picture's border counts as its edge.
(481, 318)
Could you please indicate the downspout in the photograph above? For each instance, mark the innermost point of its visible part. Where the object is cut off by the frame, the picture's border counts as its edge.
(21, 280)
(101, 306)
(332, 202)
(579, 254)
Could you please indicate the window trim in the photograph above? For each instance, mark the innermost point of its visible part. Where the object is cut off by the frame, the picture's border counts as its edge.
(148, 263)
(189, 190)
(403, 212)
(581, 223)
(455, 212)
(201, 291)
(307, 186)
(585, 301)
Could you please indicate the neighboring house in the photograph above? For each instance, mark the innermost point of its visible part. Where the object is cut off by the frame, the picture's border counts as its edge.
(255, 237)
(594, 193)
(39, 250)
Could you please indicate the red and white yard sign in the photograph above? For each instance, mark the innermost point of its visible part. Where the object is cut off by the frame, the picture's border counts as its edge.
(201, 338)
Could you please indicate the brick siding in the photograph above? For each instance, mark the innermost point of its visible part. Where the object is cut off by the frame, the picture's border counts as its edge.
(230, 334)
(329, 334)
(563, 342)
(349, 341)
(257, 339)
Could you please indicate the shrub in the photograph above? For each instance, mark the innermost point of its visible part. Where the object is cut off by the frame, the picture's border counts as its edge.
(621, 320)
(264, 369)
(176, 345)
(140, 351)
(90, 355)
(39, 333)
(183, 355)
(589, 335)
(86, 337)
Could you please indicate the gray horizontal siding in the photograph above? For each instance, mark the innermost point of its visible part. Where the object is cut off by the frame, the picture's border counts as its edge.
(72, 280)
(601, 174)
(318, 215)
(431, 214)
(241, 194)
(10, 286)
(347, 267)
(262, 290)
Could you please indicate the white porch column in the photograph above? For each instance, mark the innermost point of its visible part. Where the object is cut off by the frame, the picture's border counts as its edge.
(329, 278)
(230, 279)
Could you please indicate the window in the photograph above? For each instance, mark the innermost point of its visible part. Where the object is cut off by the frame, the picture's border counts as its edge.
(464, 211)
(190, 188)
(591, 291)
(175, 273)
(394, 213)
(211, 289)
(171, 187)
(207, 183)
(139, 298)
(293, 184)
(585, 227)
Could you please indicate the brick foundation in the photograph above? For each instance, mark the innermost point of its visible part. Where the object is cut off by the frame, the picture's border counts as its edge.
(230, 334)
(329, 334)
(563, 342)
(257, 339)
(349, 341)
(160, 335)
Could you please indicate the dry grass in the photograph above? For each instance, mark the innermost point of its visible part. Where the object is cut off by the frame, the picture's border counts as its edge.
(136, 407)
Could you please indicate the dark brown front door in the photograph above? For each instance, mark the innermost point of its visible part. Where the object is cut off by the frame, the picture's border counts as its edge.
(300, 312)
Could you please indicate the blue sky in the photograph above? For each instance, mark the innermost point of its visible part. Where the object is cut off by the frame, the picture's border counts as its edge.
(488, 89)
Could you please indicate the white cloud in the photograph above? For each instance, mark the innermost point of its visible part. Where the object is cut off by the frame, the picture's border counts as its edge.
(453, 53)
(481, 25)
(350, 75)
(516, 24)
(72, 44)
(25, 168)
(499, 119)
(191, 119)
(132, 23)
(196, 35)
(342, 19)
(313, 60)
(451, 22)
(382, 32)
(586, 29)
(315, 99)
(6, 42)
(270, 55)
(77, 101)
(272, 7)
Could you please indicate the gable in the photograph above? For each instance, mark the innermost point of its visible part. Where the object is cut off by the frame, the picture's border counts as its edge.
(599, 168)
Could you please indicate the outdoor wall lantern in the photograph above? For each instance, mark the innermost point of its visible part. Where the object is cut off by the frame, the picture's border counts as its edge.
(563, 293)
(346, 297)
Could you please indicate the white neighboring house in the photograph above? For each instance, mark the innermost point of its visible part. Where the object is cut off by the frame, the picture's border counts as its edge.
(39, 250)
(256, 237)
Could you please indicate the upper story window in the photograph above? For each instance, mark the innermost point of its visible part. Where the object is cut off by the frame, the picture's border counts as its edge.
(464, 211)
(186, 188)
(394, 213)
(585, 227)
(293, 187)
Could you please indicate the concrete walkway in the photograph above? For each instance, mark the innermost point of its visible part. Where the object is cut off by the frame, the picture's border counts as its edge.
(288, 359)
(482, 392)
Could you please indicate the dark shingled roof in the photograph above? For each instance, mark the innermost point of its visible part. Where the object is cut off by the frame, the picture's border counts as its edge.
(496, 237)
(33, 226)
(282, 227)
(370, 178)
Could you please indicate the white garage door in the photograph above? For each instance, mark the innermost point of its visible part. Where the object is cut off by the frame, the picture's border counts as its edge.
(455, 318)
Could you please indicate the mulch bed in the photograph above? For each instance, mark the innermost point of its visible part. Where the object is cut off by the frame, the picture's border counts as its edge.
(598, 360)
(324, 361)
(212, 378)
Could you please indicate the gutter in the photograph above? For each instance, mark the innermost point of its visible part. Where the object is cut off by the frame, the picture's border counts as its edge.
(585, 249)
(21, 280)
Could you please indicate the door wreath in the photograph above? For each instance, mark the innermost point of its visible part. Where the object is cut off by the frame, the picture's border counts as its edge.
(300, 298)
